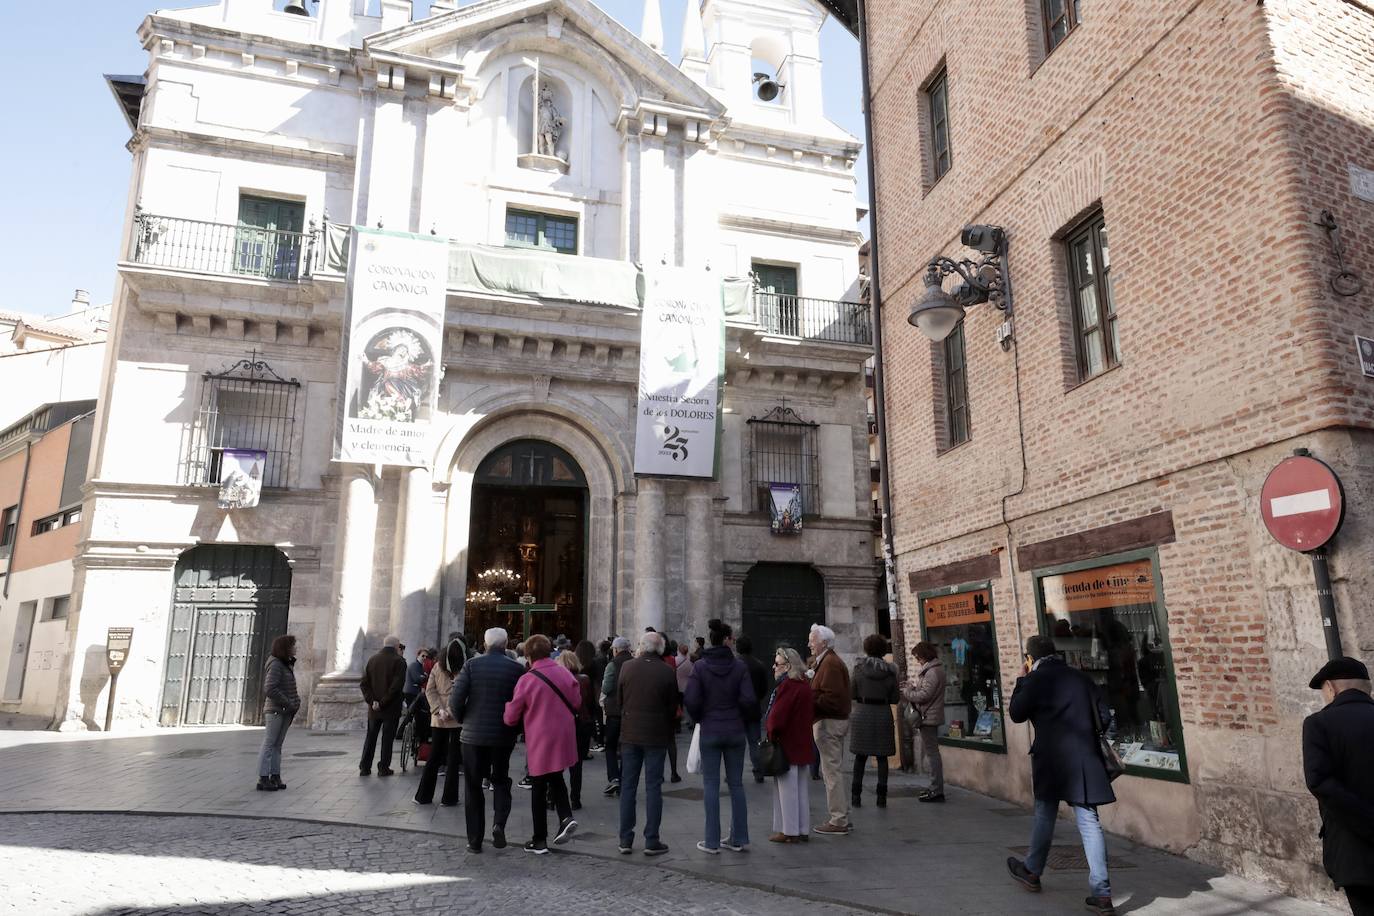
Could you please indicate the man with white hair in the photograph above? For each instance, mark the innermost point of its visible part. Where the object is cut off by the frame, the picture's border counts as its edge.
(382, 684)
(647, 691)
(831, 701)
(478, 703)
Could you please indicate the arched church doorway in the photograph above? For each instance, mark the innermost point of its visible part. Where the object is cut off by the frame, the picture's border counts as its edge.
(780, 602)
(527, 543)
(229, 602)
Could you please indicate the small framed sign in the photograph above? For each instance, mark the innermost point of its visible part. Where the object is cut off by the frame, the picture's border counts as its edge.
(1364, 348)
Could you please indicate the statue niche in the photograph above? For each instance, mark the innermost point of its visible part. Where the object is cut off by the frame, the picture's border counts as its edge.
(544, 128)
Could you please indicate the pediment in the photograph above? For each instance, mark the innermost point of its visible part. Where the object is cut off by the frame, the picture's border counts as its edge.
(560, 25)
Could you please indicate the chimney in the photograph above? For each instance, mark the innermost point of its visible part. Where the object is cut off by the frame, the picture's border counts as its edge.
(81, 300)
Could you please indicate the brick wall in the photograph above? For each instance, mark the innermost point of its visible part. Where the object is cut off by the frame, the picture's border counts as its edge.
(1211, 134)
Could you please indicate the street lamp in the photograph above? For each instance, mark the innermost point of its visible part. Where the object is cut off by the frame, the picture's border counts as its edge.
(937, 313)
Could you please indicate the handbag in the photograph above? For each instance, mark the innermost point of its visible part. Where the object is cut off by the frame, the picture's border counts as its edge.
(1110, 758)
(558, 693)
(772, 759)
(694, 750)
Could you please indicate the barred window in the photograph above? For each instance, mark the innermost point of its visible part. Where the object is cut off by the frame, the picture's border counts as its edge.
(783, 450)
(248, 406)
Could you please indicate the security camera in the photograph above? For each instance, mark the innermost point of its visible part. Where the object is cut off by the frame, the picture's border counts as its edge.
(987, 239)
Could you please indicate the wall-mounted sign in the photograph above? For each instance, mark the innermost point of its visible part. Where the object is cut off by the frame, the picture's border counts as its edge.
(1119, 585)
(1302, 503)
(785, 508)
(681, 364)
(392, 347)
(953, 610)
(1364, 349)
(240, 477)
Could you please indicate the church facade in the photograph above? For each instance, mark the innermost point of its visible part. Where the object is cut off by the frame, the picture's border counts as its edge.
(563, 159)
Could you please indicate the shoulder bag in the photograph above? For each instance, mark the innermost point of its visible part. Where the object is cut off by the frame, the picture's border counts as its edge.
(1110, 758)
(558, 693)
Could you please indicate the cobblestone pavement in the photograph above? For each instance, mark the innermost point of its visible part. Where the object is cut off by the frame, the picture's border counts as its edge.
(134, 864)
(906, 858)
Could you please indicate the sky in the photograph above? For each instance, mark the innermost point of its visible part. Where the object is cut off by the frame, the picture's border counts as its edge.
(69, 176)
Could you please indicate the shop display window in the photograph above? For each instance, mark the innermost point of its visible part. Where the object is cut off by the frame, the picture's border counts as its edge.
(958, 623)
(1108, 619)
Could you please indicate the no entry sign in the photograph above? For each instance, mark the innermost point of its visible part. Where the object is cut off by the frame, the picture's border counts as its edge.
(1302, 503)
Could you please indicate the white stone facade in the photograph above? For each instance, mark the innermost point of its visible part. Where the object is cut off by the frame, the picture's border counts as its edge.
(422, 127)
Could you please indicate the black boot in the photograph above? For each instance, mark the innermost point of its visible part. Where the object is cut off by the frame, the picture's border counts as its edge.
(265, 784)
(276, 781)
(882, 796)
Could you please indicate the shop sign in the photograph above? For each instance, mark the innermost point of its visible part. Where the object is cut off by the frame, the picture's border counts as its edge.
(1120, 585)
(393, 339)
(681, 366)
(954, 610)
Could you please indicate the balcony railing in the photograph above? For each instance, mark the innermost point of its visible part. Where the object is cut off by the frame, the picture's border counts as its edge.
(813, 319)
(220, 248)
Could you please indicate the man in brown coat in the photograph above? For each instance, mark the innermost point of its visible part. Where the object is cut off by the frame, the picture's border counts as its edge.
(831, 698)
(383, 680)
(648, 698)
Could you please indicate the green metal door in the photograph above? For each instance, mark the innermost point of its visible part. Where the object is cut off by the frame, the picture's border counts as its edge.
(268, 239)
(777, 291)
(781, 601)
(228, 604)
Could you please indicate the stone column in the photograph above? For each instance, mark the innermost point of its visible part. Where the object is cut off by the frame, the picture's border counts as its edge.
(651, 602)
(355, 538)
(699, 545)
(416, 559)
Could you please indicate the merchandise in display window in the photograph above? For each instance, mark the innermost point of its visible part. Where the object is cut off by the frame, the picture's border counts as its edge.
(960, 627)
(1110, 622)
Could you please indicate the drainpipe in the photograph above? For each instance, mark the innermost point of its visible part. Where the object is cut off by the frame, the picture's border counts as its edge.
(879, 388)
(18, 515)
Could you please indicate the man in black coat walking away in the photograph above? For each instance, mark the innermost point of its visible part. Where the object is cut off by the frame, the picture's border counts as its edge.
(759, 679)
(478, 703)
(383, 680)
(1338, 761)
(1066, 764)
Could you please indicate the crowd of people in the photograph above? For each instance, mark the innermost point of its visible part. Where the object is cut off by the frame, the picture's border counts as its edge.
(631, 702)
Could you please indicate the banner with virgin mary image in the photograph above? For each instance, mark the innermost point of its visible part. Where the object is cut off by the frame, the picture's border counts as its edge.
(392, 347)
(785, 508)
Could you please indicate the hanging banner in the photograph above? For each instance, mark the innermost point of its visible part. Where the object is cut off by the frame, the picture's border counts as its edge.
(240, 477)
(681, 364)
(1121, 585)
(393, 340)
(785, 508)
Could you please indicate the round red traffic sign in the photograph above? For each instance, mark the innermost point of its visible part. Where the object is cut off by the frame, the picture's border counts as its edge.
(1302, 503)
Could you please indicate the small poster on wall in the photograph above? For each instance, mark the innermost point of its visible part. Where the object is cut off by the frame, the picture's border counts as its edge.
(240, 477)
(785, 507)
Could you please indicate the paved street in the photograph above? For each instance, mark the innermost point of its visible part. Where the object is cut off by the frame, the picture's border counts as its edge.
(335, 843)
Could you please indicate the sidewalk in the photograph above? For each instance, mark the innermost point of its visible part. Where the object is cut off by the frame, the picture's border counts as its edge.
(908, 858)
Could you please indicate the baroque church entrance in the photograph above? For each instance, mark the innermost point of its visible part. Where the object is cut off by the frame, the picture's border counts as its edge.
(527, 545)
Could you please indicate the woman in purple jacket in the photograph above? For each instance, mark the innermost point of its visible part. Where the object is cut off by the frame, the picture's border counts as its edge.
(719, 696)
(545, 703)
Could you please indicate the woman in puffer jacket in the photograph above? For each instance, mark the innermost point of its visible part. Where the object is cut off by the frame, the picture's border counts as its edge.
(280, 704)
(925, 691)
(873, 686)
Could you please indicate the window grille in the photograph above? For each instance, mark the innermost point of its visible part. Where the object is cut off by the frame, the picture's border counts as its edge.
(783, 449)
(247, 406)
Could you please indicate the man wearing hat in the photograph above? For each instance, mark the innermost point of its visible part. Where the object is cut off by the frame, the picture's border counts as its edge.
(1338, 761)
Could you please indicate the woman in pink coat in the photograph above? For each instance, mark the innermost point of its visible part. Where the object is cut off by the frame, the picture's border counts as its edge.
(545, 704)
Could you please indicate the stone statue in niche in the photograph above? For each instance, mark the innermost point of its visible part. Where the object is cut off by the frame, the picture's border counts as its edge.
(550, 124)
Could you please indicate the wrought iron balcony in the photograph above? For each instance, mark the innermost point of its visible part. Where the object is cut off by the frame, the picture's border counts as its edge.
(813, 319)
(220, 248)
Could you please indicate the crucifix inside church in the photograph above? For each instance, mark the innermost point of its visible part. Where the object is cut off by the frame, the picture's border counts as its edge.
(527, 543)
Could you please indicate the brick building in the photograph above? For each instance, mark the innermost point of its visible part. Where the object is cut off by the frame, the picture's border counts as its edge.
(1098, 478)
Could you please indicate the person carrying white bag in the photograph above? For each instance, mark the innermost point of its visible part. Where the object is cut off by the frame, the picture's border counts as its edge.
(719, 696)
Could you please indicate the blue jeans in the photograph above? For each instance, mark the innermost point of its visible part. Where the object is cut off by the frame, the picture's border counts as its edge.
(633, 758)
(731, 747)
(752, 733)
(269, 758)
(1089, 829)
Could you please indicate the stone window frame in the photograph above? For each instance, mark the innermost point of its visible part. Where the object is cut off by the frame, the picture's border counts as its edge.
(269, 410)
(1089, 227)
(1161, 621)
(542, 221)
(783, 421)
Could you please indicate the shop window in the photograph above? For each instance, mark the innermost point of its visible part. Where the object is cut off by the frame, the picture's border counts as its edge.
(959, 624)
(783, 449)
(1107, 618)
(248, 406)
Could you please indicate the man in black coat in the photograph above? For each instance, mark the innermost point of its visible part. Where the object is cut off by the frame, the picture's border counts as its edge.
(1338, 761)
(758, 677)
(1066, 764)
(478, 703)
(383, 680)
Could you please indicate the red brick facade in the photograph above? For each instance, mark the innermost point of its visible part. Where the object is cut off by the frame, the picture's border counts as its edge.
(1211, 134)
